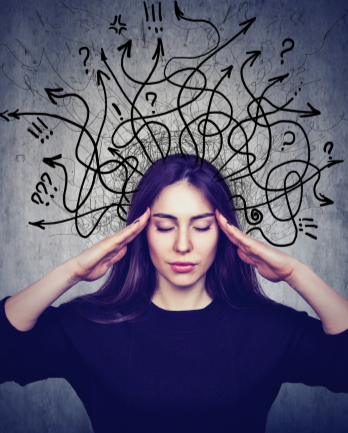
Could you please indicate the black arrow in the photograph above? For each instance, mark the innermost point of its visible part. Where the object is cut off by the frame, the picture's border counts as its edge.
(127, 46)
(51, 161)
(178, 12)
(229, 71)
(281, 78)
(327, 201)
(38, 224)
(248, 23)
(99, 74)
(334, 162)
(313, 112)
(14, 114)
(159, 50)
(4, 117)
(103, 57)
(50, 94)
(255, 55)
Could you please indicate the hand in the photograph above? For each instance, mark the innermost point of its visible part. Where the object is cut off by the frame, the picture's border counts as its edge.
(95, 261)
(272, 264)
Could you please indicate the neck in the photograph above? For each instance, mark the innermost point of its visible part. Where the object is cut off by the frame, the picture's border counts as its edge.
(172, 298)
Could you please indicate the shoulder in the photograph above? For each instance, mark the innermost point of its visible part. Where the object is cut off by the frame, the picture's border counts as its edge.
(72, 316)
(274, 319)
(272, 329)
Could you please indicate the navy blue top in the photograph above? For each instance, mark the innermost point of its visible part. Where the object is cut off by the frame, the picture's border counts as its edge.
(216, 369)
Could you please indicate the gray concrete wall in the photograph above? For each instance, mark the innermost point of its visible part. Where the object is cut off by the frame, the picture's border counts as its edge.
(39, 43)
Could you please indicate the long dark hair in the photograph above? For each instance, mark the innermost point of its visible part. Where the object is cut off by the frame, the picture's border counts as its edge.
(131, 283)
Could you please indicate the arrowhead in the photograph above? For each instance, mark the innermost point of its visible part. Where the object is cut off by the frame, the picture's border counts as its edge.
(248, 23)
(255, 55)
(229, 71)
(127, 46)
(51, 161)
(159, 50)
(50, 94)
(112, 151)
(14, 114)
(38, 224)
(331, 163)
(281, 78)
(313, 113)
(99, 74)
(178, 12)
(4, 117)
(326, 200)
(103, 57)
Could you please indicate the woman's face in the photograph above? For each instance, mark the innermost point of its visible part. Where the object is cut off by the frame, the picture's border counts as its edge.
(182, 234)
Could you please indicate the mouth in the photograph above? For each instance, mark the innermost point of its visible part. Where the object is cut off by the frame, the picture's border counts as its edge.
(182, 266)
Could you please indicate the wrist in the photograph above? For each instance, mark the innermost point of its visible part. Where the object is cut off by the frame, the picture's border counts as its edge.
(295, 274)
(69, 269)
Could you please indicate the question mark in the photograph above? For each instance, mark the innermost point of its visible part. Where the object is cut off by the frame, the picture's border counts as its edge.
(45, 189)
(289, 143)
(85, 61)
(329, 143)
(33, 199)
(154, 98)
(288, 49)
(49, 179)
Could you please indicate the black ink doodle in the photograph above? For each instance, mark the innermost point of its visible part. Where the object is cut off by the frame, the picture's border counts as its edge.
(85, 61)
(154, 15)
(292, 44)
(123, 25)
(210, 104)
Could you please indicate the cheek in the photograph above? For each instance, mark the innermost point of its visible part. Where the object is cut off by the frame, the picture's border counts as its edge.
(207, 245)
(158, 243)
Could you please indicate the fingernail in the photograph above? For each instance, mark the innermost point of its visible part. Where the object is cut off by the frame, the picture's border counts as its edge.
(136, 221)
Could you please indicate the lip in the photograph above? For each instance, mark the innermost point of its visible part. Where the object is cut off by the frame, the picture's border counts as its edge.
(182, 266)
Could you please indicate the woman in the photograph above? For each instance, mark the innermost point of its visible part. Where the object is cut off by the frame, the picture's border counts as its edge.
(181, 337)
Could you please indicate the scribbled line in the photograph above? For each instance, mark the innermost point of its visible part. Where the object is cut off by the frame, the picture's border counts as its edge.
(38, 15)
(268, 183)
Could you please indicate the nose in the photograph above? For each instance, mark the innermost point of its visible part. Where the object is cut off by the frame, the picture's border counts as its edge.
(183, 243)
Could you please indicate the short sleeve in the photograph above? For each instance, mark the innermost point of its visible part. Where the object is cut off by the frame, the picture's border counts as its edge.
(315, 358)
(34, 355)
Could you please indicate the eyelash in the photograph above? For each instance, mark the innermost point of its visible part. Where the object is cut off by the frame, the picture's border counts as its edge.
(167, 230)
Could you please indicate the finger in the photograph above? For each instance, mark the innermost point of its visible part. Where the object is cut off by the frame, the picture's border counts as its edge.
(232, 232)
(248, 245)
(126, 235)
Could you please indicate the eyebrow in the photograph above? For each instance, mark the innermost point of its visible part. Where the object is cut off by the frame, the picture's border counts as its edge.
(171, 217)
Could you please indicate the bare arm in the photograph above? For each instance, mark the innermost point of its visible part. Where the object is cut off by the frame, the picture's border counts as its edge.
(329, 305)
(24, 308)
(276, 265)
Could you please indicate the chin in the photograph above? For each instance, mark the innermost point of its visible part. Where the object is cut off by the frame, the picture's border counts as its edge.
(183, 280)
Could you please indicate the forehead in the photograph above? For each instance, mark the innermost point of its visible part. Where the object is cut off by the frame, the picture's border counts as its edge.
(181, 197)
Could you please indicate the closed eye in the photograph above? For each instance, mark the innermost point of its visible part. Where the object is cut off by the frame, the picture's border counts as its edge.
(198, 229)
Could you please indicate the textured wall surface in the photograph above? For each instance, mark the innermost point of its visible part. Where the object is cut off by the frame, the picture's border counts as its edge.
(39, 48)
